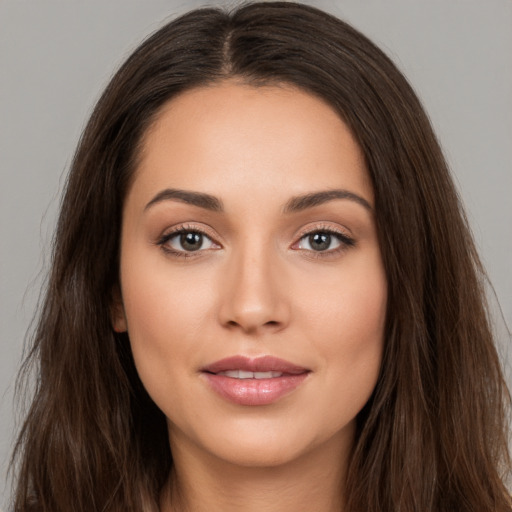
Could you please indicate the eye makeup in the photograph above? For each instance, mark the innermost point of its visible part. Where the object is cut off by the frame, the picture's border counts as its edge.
(187, 241)
(191, 241)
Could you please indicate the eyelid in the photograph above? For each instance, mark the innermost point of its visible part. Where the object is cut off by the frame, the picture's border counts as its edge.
(346, 239)
(186, 227)
(322, 226)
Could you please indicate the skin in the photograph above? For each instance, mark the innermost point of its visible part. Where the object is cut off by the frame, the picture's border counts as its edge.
(255, 287)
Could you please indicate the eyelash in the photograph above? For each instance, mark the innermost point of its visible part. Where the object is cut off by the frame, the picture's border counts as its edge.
(164, 240)
(346, 241)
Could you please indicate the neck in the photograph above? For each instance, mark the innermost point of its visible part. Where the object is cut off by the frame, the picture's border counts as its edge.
(204, 483)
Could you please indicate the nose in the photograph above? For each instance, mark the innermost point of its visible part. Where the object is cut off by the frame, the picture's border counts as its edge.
(254, 298)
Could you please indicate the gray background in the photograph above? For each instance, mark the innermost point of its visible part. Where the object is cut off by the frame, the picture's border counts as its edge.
(56, 56)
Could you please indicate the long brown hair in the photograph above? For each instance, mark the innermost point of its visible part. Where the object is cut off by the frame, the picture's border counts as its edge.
(433, 435)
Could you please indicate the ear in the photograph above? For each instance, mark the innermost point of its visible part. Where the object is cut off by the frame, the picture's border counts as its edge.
(117, 314)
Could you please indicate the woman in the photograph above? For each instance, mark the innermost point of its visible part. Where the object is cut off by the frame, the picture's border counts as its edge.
(264, 293)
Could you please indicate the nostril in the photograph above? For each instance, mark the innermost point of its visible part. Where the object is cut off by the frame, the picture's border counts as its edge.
(253, 326)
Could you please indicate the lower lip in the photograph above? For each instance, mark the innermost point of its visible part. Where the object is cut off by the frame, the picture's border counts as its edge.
(254, 391)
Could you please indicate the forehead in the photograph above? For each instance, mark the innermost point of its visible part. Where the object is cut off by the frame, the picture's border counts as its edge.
(232, 137)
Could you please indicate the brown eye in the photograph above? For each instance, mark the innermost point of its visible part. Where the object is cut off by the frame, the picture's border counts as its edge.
(324, 241)
(191, 241)
(188, 241)
(320, 241)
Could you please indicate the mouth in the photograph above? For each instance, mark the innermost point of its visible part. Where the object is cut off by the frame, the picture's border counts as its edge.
(260, 381)
(242, 374)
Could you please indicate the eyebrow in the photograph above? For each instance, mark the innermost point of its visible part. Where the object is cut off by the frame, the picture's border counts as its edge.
(206, 201)
(300, 203)
(295, 204)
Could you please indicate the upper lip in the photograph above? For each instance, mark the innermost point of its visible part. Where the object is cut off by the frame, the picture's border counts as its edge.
(258, 364)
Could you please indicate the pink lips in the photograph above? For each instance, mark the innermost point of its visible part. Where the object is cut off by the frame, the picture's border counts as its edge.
(263, 390)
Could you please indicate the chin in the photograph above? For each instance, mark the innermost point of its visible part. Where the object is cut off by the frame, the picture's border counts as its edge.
(267, 444)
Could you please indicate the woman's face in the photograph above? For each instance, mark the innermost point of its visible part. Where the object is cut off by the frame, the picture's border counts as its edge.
(252, 284)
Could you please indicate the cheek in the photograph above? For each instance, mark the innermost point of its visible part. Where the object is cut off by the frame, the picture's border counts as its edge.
(165, 312)
(348, 306)
(347, 331)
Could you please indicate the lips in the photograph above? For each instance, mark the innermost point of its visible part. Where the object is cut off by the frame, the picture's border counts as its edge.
(260, 381)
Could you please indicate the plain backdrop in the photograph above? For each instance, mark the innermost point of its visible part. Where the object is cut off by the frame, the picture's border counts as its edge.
(56, 57)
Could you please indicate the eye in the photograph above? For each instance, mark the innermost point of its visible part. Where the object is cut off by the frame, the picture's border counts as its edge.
(185, 241)
(324, 241)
